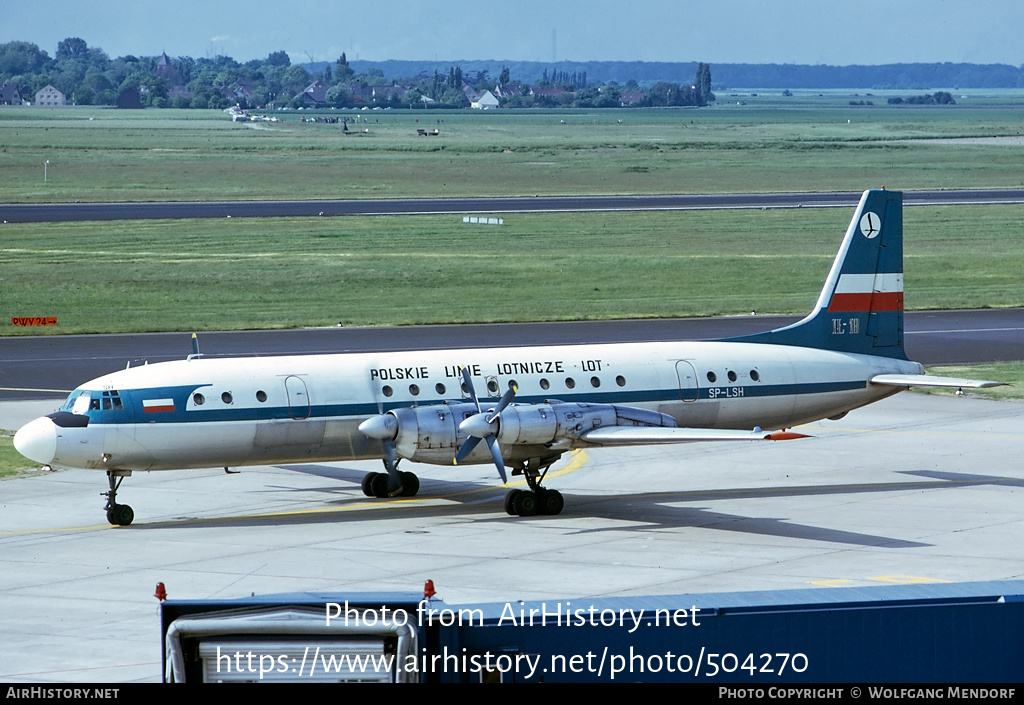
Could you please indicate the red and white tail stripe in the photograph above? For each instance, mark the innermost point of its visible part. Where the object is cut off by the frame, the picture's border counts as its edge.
(868, 292)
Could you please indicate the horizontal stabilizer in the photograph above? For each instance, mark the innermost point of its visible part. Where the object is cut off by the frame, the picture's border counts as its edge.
(930, 381)
(640, 435)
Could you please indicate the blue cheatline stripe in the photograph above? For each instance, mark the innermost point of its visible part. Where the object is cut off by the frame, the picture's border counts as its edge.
(135, 413)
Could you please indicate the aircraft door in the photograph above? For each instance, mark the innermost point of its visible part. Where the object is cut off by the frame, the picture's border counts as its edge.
(298, 397)
(688, 388)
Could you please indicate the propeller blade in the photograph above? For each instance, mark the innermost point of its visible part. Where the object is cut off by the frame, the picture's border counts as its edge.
(485, 426)
(499, 462)
(506, 399)
(466, 449)
(468, 381)
(195, 349)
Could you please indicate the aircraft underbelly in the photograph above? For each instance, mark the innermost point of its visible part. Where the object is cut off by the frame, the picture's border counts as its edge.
(703, 414)
(342, 439)
(221, 444)
(288, 436)
(121, 448)
(196, 445)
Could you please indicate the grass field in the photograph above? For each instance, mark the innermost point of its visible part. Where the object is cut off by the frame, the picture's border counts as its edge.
(1010, 373)
(810, 143)
(198, 275)
(272, 273)
(269, 273)
(12, 463)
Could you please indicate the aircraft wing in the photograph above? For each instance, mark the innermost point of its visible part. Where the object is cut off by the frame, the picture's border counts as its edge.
(931, 381)
(642, 435)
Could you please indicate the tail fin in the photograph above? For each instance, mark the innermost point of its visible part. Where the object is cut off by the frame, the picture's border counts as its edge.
(860, 308)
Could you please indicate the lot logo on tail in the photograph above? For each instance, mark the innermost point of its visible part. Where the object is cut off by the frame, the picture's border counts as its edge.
(869, 225)
(860, 307)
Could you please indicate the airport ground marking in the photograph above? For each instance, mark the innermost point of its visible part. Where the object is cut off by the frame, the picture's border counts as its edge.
(891, 579)
(579, 459)
(906, 579)
(29, 389)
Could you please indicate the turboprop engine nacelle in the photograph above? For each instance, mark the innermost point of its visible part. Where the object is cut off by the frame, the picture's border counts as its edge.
(433, 434)
(424, 434)
(546, 424)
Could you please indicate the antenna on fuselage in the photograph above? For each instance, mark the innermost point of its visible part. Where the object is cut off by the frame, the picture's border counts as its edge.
(195, 349)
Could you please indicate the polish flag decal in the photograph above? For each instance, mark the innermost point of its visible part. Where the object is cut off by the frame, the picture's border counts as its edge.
(154, 405)
(868, 292)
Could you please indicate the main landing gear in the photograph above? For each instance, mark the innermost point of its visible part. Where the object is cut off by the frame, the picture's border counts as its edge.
(375, 484)
(536, 500)
(117, 514)
(379, 484)
(524, 503)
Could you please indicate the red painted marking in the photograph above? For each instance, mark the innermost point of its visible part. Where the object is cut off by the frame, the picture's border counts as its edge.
(33, 320)
(151, 406)
(878, 301)
(785, 436)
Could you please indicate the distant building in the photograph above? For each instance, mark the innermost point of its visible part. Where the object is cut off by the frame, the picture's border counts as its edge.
(239, 93)
(49, 96)
(316, 92)
(180, 92)
(387, 94)
(547, 91)
(165, 69)
(511, 90)
(483, 100)
(360, 92)
(9, 95)
(627, 98)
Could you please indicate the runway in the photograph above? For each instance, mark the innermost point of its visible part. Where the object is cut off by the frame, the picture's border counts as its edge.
(64, 212)
(915, 489)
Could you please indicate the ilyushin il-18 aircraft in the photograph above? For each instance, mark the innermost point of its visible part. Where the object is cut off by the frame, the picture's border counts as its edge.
(515, 407)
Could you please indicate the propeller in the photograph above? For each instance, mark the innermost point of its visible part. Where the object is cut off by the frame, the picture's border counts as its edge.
(484, 426)
(195, 349)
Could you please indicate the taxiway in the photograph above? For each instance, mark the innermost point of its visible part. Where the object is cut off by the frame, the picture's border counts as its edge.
(35, 367)
(916, 488)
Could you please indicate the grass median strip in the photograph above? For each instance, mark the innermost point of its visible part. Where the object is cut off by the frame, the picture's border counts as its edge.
(131, 276)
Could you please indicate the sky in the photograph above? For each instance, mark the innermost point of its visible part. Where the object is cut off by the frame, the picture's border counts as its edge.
(723, 31)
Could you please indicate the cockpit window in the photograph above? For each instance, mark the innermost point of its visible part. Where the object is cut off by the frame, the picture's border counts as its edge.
(80, 405)
(112, 400)
(82, 401)
(69, 402)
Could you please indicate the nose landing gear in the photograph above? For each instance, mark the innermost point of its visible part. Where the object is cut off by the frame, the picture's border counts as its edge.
(117, 514)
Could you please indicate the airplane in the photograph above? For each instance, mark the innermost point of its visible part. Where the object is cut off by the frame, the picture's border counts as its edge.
(534, 403)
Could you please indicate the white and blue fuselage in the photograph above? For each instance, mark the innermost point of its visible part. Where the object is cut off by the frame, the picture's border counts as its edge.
(432, 406)
(205, 412)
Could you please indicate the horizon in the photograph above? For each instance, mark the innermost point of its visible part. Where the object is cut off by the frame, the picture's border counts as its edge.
(797, 32)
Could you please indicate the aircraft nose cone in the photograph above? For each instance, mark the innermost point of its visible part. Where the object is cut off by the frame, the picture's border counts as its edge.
(383, 427)
(37, 440)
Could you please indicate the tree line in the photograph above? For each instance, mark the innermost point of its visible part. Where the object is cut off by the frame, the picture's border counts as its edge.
(88, 76)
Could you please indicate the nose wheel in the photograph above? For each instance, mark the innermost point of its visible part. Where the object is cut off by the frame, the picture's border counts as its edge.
(117, 514)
